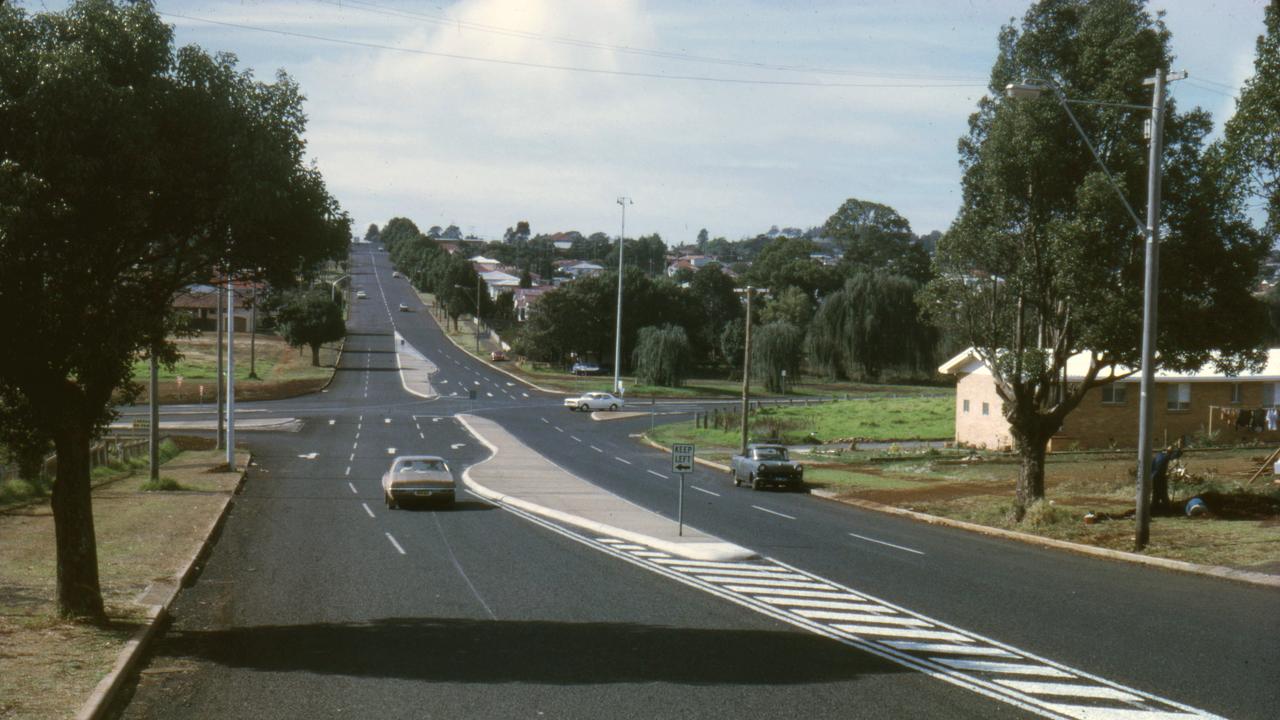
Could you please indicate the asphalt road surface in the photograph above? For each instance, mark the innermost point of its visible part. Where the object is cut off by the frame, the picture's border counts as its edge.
(319, 602)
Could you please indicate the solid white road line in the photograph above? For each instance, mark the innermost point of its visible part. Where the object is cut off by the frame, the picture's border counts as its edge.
(353, 489)
(881, 542)
(366, 509)
(393, 542)
(651, 472)
(773, 512)
(734, 574)
(680, 562)
(627, 462)
(704, 490)
(593, 447)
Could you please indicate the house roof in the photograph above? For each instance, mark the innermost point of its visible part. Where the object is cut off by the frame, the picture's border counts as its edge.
(968, 362)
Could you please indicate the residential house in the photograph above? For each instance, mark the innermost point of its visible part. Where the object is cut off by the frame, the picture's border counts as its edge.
(1241, 407)
(201, 303)
(526, 300)
(580, 269)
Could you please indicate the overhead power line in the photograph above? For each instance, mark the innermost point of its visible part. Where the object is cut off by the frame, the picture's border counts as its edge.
(445, 21)
(574, 68)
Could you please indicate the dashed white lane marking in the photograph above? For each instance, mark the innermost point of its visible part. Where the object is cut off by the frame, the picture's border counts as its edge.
(366, 509)
(355, 445)
(391, 451)
(510, 384)
(651, 472)
(348, 472)
(881, 542)
(593, 447)
(357, 436)
(386, 421)
(353, 489)
(421, 436)
(773, 512)
(332, 421)
(545, 420)
(704, 490)
(456, 446)
(489, 394)
(393, 542)
(352, 458)
(525, 394)
(309, 456)
(359, 426)
(576, 438)
(622, 460)
(477, 382)
(559, 429)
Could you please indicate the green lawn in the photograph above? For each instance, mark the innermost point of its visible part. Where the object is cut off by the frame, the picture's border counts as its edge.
(880, 418)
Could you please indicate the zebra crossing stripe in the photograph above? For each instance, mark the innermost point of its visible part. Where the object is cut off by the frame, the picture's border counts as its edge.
(944, 652)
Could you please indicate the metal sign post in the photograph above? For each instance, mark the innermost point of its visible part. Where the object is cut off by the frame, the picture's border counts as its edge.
(681, 464)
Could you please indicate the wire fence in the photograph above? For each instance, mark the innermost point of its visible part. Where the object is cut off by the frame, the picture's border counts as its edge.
(104, 452)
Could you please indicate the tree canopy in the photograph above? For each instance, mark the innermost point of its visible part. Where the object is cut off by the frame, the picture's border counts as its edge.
(1253, 133)
(130, 170)
(311, 318)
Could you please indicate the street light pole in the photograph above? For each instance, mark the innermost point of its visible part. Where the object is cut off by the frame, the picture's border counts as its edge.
(617, 332)
(1142, 514)
(477, 313)
(746, 374)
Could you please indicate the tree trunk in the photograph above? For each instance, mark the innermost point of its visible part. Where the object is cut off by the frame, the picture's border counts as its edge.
(79, 592)
(1030, 475)
(315, 356)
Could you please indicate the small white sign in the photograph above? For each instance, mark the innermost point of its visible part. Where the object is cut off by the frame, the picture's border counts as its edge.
(682, 458)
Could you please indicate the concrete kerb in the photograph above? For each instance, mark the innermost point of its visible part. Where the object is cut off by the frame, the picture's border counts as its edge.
(1218, 571)
(404, 382)
(108, 688)
(337, 362)
(719, 551)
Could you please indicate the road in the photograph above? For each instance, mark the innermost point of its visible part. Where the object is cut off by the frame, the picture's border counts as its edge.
(319, 602)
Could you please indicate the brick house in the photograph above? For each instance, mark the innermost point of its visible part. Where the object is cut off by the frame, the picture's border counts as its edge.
(1185, 404)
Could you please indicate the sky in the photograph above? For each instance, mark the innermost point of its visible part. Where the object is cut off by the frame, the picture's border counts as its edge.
(732, 116)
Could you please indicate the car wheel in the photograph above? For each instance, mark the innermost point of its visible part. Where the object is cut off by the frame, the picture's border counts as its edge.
(733, 477)
(755, 482)
(613, 406)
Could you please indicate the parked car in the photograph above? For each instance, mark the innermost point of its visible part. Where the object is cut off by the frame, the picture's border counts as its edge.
(765, 465)
(497, 356)
(418, 478)
(585, 369)
(361, 295)
(594, 401)
(404, 308)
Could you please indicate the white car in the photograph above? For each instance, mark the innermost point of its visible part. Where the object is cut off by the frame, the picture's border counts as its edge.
(417, 478)
(395, 273)
(594, 401)
(404, 308)
(361, 295)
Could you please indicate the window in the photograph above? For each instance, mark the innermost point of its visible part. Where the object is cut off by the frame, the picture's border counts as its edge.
(1113, 394)
(1269, 394)
(966, 406)
(1179, 396)
(1237, 393)
(986, 409)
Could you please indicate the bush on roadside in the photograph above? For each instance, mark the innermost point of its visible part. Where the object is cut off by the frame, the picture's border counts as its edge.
(164, 484)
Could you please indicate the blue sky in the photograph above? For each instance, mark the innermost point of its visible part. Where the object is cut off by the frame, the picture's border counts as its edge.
(483, 144)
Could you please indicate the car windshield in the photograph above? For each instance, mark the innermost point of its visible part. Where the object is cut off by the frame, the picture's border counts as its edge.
(771, 454)
(422, 466)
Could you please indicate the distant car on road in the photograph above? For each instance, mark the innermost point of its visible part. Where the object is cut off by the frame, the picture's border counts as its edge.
(765, 465)
(594, 401)
(497, 356)
(417, 478)
(404, 308)
(395, 273)
(361, 295)
(585, 369)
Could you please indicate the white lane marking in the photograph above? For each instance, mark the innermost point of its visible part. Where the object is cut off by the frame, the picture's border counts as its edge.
(391, 451)
(455, 446)
(1069, 689)
(332, 421)
(651, 472)
(420, 435)
(477, 382)
(545, 420)
(510, 384)
(704, 490)
(393, 542)
(386, 421)
(348, 472)
(359, 426)
(694, 564)
(352, 458)
(357, 436)
(489, 394)
(576, 438)
(877, 630)
(881, 542)
(309, 456)
(627, 462)
(355, 445)
(830, 604)
(593, 447)
(360, 419)
(764, 584)
(913, 646)
(353, 489)
(525, 394)
(773, 512)
(859, 617)
(366, 509)
(744, 575)
(1006, 668)
(559, 429)
(435, 419)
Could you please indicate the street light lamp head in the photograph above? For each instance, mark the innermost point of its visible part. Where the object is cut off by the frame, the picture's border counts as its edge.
(1023, 90)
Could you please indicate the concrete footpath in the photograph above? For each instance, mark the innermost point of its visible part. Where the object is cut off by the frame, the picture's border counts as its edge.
(518, 476)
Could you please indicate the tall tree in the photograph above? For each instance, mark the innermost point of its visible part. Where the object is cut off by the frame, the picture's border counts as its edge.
(662, 355)
(129, 171)
(718, 305)
(1252, 135)
(371, 234)
(775, 348)
(1043, 263)
(870, 325)
(875, 236)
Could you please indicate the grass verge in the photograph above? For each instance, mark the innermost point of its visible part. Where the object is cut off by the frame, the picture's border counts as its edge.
(281, 371)
(49, 666)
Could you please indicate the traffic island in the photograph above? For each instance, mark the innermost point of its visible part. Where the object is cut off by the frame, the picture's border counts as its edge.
(149, 543)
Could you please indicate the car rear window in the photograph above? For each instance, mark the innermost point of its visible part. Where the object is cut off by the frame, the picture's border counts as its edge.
(771, 454)
(422, 466)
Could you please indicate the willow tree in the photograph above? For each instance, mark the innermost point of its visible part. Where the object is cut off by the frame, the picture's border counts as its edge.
(1043, 262)
(129, 170)
(870, 325)
(662, 355)
(776, 347)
